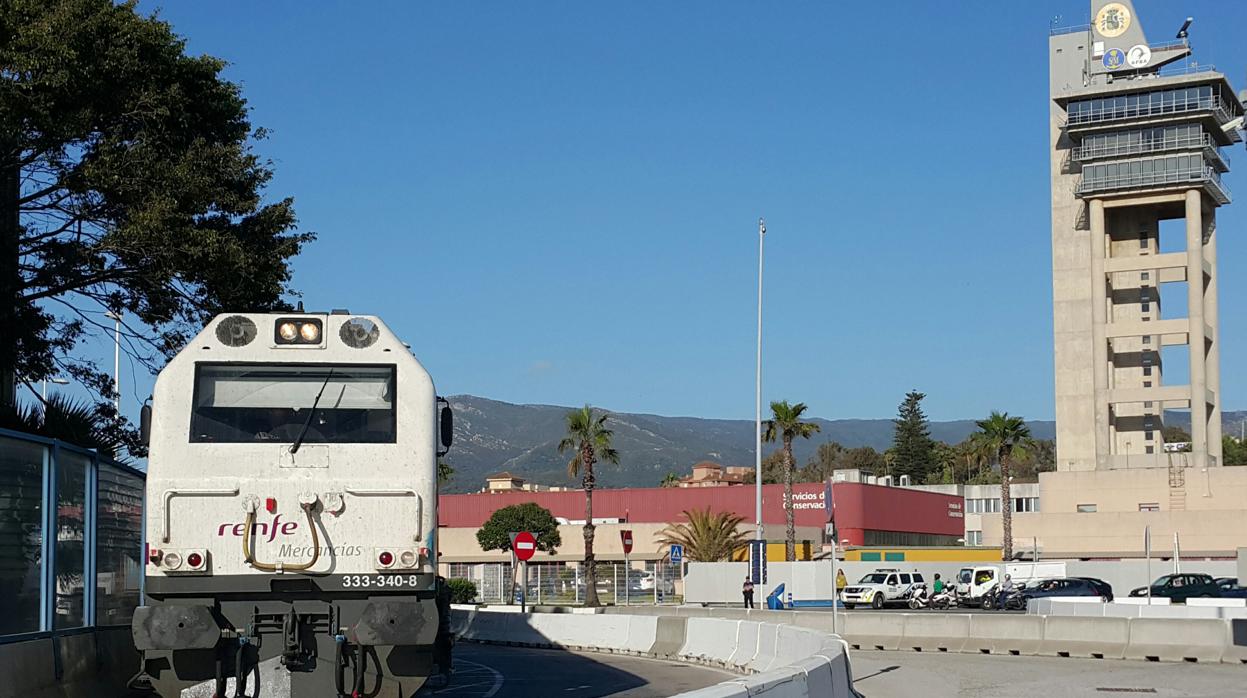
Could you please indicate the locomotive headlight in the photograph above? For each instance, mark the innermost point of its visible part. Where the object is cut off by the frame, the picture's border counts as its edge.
(297, 331)
(172, 561)
(407, 558)
(310, 332)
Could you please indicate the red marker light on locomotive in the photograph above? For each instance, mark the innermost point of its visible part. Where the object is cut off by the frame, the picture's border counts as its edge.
(194, 559)
(386, 558)
(270, 503)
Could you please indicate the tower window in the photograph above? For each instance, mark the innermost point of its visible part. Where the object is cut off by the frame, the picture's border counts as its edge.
(1147, 370)
(1147, 384)
(1146, 275)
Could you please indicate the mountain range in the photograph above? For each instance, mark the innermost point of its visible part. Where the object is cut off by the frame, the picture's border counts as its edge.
(493, 436)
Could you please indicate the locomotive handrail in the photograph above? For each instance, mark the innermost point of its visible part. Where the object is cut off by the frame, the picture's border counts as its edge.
(249, 554)
(169, 494)
(402, 492)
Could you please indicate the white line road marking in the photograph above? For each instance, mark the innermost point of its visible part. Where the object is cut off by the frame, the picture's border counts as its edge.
(480, 669)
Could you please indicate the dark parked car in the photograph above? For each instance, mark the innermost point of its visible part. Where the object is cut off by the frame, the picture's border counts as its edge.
(1180, 587)
(1230, 589)
(1067, 586)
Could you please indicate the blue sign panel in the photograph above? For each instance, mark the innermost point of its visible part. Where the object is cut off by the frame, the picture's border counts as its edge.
(677, 553)
(757, 561)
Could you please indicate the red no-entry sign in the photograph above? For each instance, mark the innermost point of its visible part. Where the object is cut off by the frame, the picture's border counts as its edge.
(524, 545)
(626, 537)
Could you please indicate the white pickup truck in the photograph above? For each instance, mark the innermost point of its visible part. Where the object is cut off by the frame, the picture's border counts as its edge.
(880, 588)
(975, 584)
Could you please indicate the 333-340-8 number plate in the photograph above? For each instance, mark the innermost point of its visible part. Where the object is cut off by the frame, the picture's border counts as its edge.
(379, 581)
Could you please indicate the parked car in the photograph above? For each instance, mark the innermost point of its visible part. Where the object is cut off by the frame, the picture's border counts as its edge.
(880, 588)
(1180, 587)
(1230, 589)
(647, 583)
(1066, 586)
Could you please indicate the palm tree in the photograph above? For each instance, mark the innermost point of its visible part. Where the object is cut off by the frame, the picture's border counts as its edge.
(786, 424)
(1005, 438)
(670, 480)
(590, 442)
(708, 536)
(78, 423)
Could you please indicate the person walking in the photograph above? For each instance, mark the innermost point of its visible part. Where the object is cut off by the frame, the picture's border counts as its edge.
(747, 592)
(841, 583)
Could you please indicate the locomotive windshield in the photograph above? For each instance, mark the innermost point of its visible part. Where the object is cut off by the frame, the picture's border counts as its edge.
(248, 403)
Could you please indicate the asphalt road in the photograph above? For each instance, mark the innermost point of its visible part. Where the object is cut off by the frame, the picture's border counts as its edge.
(492, 671)
(937, 675)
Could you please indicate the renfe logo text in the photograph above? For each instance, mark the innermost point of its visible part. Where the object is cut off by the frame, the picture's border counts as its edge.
(260, 529)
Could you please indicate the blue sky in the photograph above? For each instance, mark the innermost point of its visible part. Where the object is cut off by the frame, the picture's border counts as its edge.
(556, 202)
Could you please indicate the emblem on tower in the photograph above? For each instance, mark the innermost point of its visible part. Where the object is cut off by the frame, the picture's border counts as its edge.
(1112, 20)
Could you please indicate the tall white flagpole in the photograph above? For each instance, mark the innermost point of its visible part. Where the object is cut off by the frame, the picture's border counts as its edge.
(758, 534)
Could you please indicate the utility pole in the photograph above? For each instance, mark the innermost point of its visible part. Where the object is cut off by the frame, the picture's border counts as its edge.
(10, 273)
(116, 318)
(758, 534)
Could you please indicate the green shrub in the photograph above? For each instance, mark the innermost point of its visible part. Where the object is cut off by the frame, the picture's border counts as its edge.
(461, 590)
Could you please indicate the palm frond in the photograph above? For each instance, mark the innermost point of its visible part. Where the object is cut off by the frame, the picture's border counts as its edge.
(707, 536)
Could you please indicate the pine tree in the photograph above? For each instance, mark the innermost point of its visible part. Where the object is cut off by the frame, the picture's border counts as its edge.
(912, 444)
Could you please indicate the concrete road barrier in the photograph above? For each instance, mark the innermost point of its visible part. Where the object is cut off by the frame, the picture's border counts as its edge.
(1236, 647)
(819, 679)
(642, 630)
(936, 632)
(746, 645)
(1217, 603)
(1088, 637)
(710, 639)
(1168, 639)
(768, 647)
(668, 636)
(1004, 634)
(791, 641)
(786, 661)
(789, 682)
(870, 631)
(1179, 612)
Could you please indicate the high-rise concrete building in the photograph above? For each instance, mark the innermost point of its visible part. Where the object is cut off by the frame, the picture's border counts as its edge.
(1138, 132)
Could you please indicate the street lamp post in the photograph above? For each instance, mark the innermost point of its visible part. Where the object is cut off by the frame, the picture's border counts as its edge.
(43, 387)
(116, 318)
(758, 534)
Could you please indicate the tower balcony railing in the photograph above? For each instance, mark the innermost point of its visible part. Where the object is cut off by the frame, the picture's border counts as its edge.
(1207, 176)
(1090, 151)
(1172, 105)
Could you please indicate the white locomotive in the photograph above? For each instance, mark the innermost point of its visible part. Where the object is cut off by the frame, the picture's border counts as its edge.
(292, 513)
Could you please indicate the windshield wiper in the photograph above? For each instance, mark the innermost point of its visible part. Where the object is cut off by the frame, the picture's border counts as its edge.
(294, 447)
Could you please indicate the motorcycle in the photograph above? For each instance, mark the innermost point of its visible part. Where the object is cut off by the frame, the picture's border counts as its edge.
(920, 597)
(1013, 600)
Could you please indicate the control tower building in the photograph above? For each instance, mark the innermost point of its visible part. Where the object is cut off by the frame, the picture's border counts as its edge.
(1139, 133)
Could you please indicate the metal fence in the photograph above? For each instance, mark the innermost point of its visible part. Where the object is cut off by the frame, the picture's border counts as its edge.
(636, 583)
(71, 538)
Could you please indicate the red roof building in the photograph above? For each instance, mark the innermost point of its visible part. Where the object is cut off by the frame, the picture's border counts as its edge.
(864, 514)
